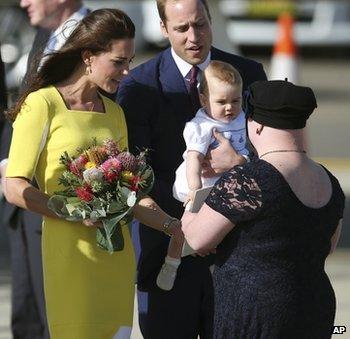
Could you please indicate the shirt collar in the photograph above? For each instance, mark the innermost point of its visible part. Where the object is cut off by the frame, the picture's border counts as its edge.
(67, 27)
(202, 114)
(184, 67)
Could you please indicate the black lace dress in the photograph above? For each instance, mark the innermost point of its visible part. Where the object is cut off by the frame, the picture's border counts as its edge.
(269, 277)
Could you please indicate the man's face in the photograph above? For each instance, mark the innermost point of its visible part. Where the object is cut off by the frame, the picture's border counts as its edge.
(40, 12)
(188, 30)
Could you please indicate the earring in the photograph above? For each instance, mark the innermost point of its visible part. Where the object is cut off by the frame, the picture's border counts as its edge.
(88, 70)
(259, 130)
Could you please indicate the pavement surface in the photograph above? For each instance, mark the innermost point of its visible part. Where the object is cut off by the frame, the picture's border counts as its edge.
(337, 267)
(329, 144)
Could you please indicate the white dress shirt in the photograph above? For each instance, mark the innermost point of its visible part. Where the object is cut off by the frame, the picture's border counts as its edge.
(185, 68)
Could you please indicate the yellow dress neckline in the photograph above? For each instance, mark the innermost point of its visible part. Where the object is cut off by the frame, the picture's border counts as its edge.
(61, 99)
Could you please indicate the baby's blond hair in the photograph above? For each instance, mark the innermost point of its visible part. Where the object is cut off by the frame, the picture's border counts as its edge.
(222, 71)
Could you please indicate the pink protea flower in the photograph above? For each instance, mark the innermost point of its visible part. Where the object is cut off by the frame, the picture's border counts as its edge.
(84, 193)
(77, 166)
(82, 159)
(111, 169)
(111, 147)
(128, 161)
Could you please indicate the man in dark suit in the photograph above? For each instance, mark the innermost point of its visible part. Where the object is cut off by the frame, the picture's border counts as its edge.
(28, 319)
(157, 103)
(3, 94)
(3, 97)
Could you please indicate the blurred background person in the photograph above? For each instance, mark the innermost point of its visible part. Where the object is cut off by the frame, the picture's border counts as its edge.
(3, 107)
(55, 20)
(3, 93)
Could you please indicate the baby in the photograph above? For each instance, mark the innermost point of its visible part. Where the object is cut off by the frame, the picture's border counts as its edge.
(220, 94)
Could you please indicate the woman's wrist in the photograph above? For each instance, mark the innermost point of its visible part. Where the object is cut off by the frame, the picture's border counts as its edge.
(169, 225)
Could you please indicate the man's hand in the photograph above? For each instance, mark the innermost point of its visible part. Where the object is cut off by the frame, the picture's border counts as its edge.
(222, 158)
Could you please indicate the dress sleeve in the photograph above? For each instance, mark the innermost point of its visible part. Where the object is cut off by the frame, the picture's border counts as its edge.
(196, 138)
(29, 135)
(236, 195)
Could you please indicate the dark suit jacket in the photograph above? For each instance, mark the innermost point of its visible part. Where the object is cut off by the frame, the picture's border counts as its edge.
(157, 106)
(35, 54)
(3, 106)
(3, 93)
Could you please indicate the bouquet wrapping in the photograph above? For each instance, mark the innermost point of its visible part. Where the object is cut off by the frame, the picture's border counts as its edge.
(102, 183)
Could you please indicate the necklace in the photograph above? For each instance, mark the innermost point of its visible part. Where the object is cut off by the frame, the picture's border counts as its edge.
(92, 107)
(282, 151)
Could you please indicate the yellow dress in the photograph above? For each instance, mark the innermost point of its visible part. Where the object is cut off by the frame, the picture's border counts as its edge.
(89, 292)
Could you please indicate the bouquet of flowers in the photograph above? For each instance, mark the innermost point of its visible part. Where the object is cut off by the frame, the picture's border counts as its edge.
(102, 183)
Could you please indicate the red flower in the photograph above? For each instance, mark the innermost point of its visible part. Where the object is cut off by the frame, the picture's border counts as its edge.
(77, 166)
(134, 182)
(74, 168)
(82, 159)
(111, 169)
(84, 193)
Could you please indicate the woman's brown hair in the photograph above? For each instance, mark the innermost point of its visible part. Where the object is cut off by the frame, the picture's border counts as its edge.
(95, 33)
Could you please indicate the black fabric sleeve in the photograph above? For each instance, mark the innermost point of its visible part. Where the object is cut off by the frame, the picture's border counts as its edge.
(236, 196)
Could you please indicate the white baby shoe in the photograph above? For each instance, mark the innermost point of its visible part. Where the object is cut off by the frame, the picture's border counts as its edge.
(167, 274)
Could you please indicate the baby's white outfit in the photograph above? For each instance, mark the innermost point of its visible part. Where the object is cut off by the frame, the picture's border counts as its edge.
(198, 135)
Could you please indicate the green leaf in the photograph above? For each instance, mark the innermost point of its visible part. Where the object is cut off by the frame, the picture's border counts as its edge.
(57, 204)
(110, 237)
(73, 200)
(131, 199)
(148, 177)
(114, 207)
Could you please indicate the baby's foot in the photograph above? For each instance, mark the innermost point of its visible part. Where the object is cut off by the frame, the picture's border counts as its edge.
(167, 274)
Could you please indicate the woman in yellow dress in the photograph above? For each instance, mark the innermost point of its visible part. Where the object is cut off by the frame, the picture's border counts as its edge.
(89, 292)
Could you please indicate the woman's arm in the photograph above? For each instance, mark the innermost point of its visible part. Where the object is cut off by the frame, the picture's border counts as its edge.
(21, 193)
(335, 237)
(206, 229)
(149, 213)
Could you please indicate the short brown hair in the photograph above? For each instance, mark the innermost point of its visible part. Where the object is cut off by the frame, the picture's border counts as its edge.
(222, 71)
(161, 8)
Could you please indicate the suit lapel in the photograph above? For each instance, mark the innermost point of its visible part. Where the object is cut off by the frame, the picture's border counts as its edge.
(175, 94)
(170, 76)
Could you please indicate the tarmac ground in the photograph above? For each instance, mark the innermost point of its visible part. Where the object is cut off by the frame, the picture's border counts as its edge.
(337, 268)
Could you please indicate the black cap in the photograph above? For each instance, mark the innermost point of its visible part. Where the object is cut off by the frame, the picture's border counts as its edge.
(279, 104)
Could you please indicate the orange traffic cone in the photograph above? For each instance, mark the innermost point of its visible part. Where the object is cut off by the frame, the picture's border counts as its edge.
(284, 62)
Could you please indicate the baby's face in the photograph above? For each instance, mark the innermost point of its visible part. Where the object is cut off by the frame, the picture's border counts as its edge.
(224, 101)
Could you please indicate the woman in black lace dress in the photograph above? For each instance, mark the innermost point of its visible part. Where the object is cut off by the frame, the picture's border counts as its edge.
(273, 220)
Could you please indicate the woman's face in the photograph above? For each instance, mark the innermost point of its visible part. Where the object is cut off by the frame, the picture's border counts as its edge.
(109, 68)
